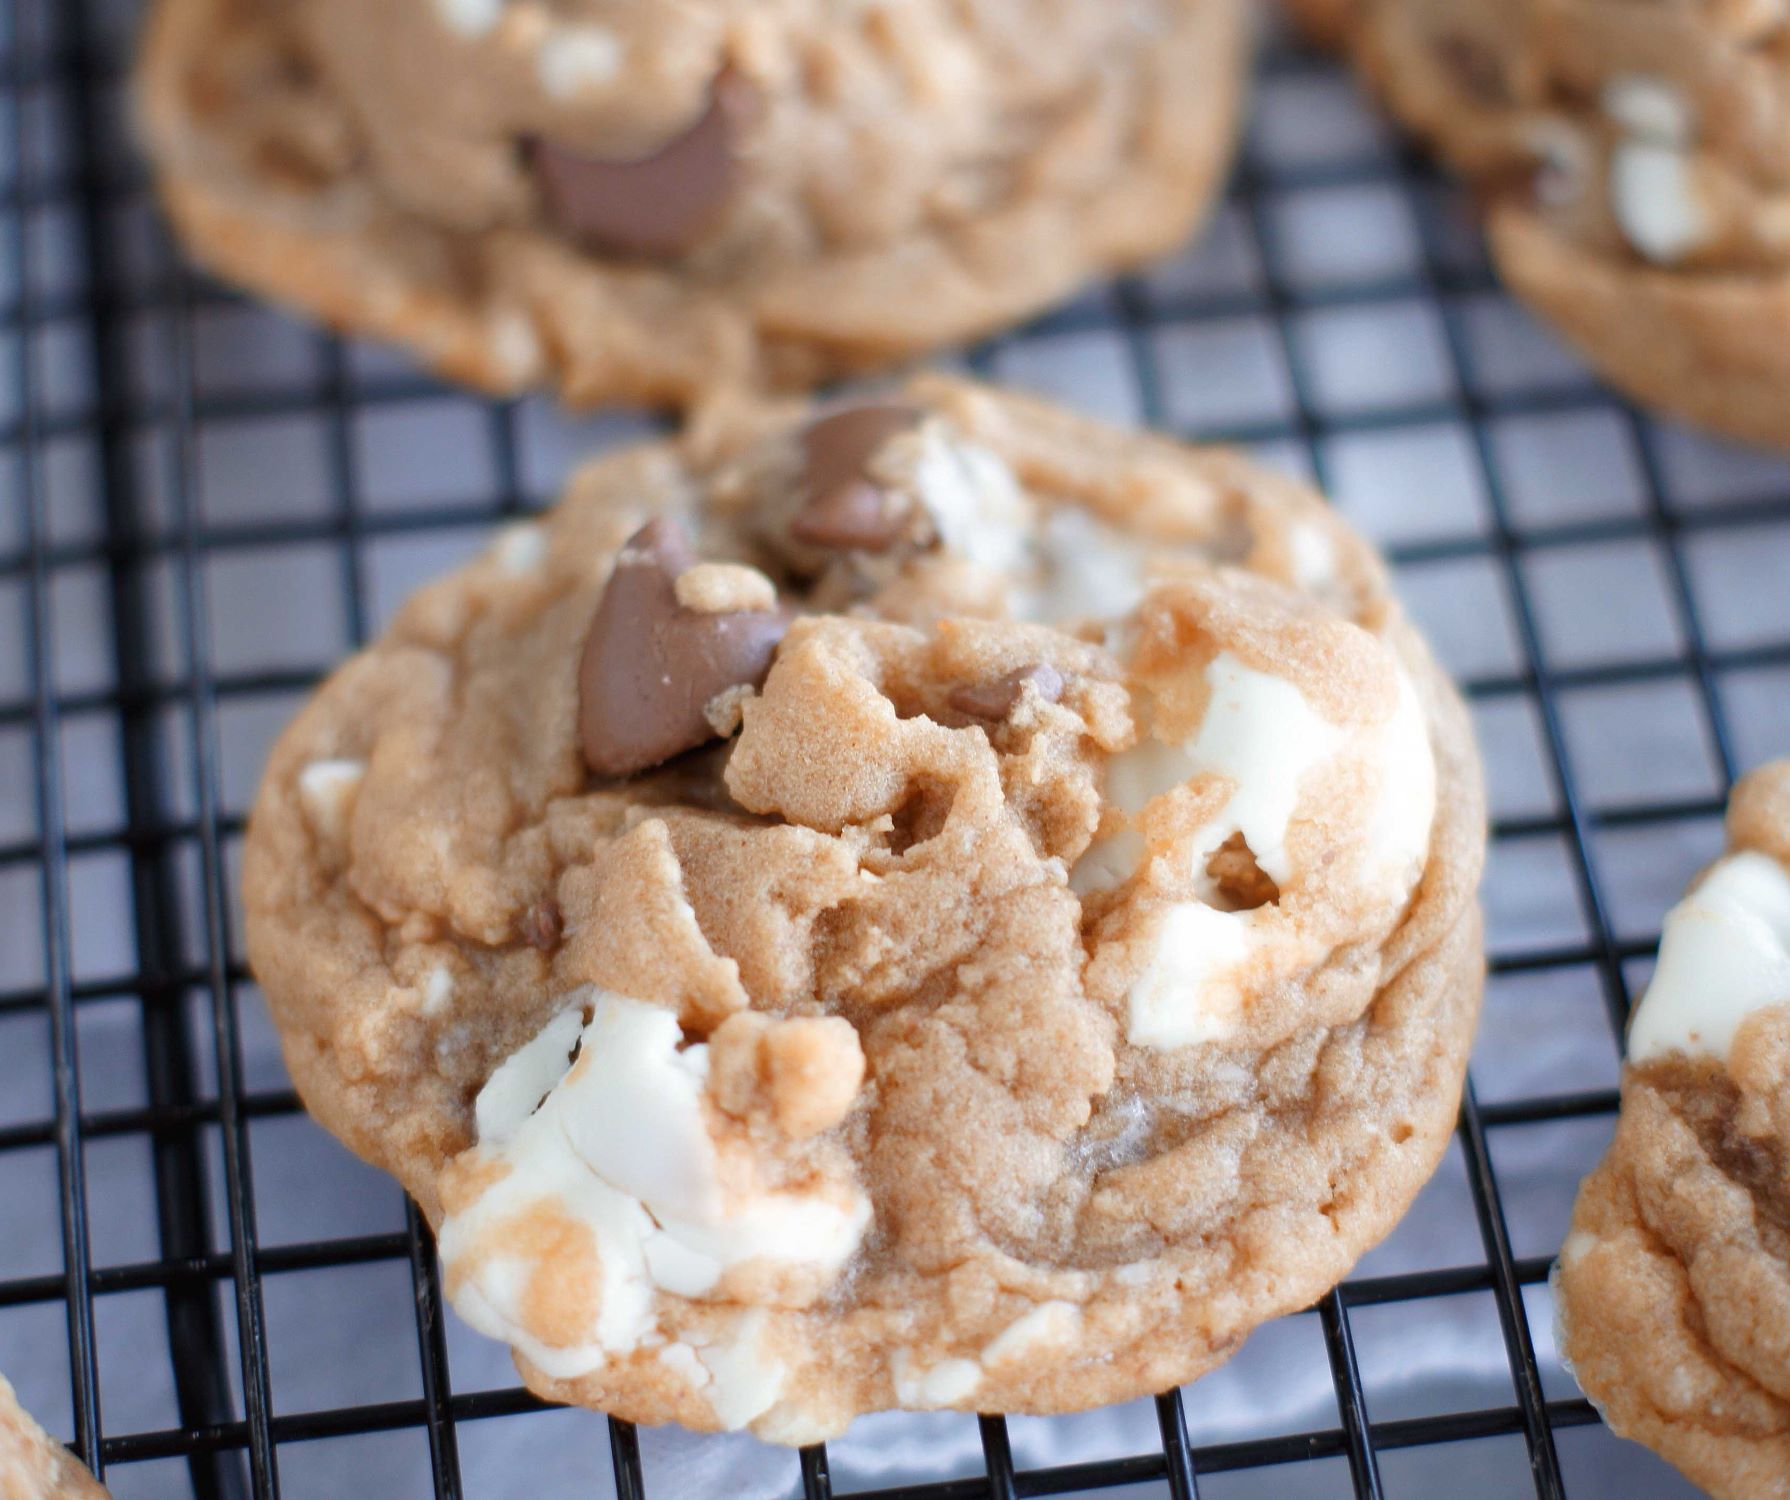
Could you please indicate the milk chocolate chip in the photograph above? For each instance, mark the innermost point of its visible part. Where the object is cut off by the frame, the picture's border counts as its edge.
(843, 508)
(994, 701)
(657, 205)
(651, 666)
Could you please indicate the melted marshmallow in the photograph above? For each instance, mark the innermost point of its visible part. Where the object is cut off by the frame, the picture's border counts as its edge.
(620, 1145)
(1724, 953)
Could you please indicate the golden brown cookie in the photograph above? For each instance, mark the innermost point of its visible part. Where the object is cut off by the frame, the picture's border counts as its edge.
(655, 201)
(1633, 162)
(932, 904)
(1673, 1287)
(33, 1465)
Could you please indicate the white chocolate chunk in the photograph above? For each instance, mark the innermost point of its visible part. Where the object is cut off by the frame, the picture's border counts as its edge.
(1263, 738)
(1109, 861)
(521, 548)
(1399, 834)
(574, 58)
(1724, 953)
(1653, 192)
(975, 503)
(1565, 156)
(1649, 109)
(438, 990)
(639, 1125)
(1049, 1325)
(471, 18)
(1654, 198)
(1260, 734)
(621, 1147)
(943, 1384)
(1190, 991)
(746, 1382)
(516, 345)
(739, 1379)
(490, 1289)
(1313, 555)
(1087, 570)
(1577, 1244)
(326, 791)
(526, 1077)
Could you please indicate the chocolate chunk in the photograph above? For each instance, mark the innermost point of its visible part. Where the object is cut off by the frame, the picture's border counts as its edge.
(995, 700)
(541, 926)
(1242, 882)
(650, 666)
(657, 205)
(1475, 68)
(842, 508)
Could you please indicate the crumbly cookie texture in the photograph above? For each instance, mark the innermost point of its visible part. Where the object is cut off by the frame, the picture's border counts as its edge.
(1673, 1287)
(33, 1465)
(654, 201)
(1634, 165)
(1018, 935)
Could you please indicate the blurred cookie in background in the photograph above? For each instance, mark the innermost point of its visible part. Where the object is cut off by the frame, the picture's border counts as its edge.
(656, 202)
(1674, 1285)
(1633, 163)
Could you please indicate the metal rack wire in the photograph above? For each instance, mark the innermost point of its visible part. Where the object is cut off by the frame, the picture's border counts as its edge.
(90, 298)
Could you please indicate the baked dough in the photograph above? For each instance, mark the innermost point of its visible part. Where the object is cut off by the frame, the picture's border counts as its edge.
(1019, 933)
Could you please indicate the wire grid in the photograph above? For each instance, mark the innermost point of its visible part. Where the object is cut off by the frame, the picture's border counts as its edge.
(92, 292)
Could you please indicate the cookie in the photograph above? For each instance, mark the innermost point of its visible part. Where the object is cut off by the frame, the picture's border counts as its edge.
(1633, 162)
(1673, 1287)
(33, 1465)
(932, 903)
(654, 201)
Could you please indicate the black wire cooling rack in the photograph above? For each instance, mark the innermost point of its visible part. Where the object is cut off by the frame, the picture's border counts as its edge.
(91, 289)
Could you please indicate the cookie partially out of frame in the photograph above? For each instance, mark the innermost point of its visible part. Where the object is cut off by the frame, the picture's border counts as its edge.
(936, 903)
(1634, 166)
(652, 201)
(33, 1465)
(1674, 1285)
